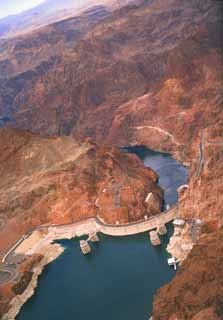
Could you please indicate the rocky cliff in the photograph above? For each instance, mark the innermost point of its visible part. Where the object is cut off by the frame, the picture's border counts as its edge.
(57, 180)
(123, 57)
(147, 75)
(196, 292)
(50, 43)
(14, 296)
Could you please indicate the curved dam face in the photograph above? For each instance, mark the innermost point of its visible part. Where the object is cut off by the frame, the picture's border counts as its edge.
(139, 227)
(118, 279)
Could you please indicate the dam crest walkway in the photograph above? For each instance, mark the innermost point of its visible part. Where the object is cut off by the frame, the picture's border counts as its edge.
(138, 226)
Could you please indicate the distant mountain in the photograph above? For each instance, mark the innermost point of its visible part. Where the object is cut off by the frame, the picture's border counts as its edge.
(145, 75)
(49, 12)
(26, 52)
(54, 86)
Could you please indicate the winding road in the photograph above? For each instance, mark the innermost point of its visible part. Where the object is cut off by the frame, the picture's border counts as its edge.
(8, 273)
(130, 228)
(168, 134)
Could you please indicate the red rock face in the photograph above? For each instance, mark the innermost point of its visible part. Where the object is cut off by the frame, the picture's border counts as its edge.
(170, 116)
(51, 43)
(149, 75)
(196, 292)
(122, 58)
(203, 199)
(57, 180)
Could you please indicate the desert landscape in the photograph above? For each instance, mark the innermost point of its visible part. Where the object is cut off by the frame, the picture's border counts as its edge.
(77, 88)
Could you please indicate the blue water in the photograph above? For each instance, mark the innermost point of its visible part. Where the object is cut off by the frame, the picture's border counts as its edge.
(118, 279)
(172, 173)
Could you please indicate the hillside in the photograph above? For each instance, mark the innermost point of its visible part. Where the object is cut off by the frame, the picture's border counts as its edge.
(57, 180)
(50, 43)
(146, 74)
(121, 58)
(48, 12)
(196, 293)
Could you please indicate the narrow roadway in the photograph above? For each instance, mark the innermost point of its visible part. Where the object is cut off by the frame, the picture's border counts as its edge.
(8, 273)
(201, 159)
(201, 155)
(131, 228)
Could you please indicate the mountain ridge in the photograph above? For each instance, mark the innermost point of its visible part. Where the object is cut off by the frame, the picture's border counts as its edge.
(48, 12)
(146, 75)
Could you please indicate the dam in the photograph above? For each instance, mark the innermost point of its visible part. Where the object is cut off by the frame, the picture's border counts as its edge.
(118, 279)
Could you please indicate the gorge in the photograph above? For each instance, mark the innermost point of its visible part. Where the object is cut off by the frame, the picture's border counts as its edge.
(115, 266)
(75, 91)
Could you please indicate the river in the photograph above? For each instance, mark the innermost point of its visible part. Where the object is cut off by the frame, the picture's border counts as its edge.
(118, 279)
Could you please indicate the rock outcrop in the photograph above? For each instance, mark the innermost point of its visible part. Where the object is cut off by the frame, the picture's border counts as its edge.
(180, 243)
(50, 253)
(203, 198)
(148, 75)
(57, 180)
(42, 48)
(120, 60)
(196, 292)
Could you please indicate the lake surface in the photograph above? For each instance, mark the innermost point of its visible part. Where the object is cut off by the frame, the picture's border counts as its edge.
(118, 279)
(172, 174)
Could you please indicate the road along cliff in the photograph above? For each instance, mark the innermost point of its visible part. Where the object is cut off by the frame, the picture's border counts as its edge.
(148, 75)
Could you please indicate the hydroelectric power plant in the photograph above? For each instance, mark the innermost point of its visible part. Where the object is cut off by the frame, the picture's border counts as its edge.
(131, 268)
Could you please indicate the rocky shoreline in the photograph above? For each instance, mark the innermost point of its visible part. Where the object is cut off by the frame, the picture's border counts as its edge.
(50, 253)
(180, 243)
(196, 292)
(43, 246)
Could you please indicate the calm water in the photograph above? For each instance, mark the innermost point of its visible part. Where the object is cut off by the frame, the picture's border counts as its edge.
(172, 173)
(118, 279)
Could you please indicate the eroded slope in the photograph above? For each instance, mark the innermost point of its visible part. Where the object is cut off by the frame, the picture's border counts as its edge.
(57, 180)
(119, 60)
(196, 293)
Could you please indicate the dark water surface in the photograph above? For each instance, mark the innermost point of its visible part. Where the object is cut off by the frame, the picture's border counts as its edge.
(172, 173)
(118, 279)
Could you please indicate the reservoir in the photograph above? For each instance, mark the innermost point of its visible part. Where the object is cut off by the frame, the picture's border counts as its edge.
(172, 174)
(118, 279)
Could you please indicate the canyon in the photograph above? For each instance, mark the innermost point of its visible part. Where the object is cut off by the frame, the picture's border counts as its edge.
(58, 180)
(147, 74)
(111, 65)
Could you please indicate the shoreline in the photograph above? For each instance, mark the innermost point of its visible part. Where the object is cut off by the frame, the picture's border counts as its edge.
(52, 252)
(180, 244)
